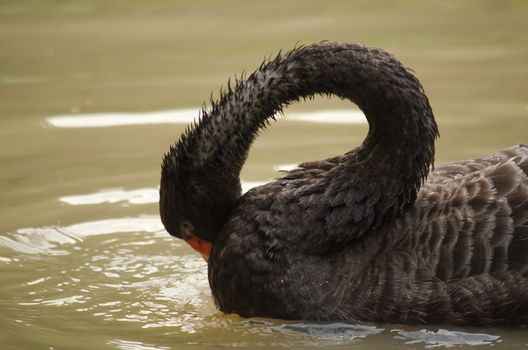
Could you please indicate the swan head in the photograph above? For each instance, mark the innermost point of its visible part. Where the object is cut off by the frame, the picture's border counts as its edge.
(195, 203)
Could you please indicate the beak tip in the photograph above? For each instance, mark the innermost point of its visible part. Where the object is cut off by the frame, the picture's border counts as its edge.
(201, 246)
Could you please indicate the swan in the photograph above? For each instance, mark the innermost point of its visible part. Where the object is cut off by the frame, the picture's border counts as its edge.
(370, 235)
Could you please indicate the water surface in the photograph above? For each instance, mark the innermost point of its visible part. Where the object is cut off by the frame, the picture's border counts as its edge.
(93, 93)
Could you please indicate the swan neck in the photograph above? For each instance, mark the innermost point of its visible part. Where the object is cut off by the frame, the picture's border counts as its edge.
(392, 99)
(399, 146)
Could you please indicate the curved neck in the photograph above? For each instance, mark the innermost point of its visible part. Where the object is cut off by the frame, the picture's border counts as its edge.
(402, 127)
(392, 99)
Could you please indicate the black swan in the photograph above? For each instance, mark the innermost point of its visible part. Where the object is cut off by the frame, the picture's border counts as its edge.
(370, 235)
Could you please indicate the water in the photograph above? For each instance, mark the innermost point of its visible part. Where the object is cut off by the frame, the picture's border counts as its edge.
(84, 260)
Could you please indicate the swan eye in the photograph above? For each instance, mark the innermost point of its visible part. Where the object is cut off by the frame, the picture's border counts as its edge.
(186, 227)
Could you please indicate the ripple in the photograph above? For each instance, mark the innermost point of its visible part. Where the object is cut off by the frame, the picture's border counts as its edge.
(125, 283)
(47, 240)
(65, 301)
(149, 283)
(188, 115)
(335, 331)
(447, 338)
(134, 345)
(115, 195)
(323, 334)
(130, 197)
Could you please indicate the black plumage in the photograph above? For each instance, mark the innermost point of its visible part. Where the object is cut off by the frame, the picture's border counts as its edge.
(369, 235)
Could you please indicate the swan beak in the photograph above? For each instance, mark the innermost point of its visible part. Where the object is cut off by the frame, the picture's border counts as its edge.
(201, 246)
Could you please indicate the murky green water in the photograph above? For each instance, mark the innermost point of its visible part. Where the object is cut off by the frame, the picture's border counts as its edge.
(85, 262)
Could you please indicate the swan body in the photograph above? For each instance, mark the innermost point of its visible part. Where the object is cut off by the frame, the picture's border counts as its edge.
(371, 235)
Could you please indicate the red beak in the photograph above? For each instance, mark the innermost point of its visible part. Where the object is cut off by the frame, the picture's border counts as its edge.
(201, 246)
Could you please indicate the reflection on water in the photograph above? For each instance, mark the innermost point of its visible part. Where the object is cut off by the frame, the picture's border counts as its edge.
(180, 116)
(48, 240)
(446, 338)
(329, 334)
(189, 115)
(137, 196)
(134, 345)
